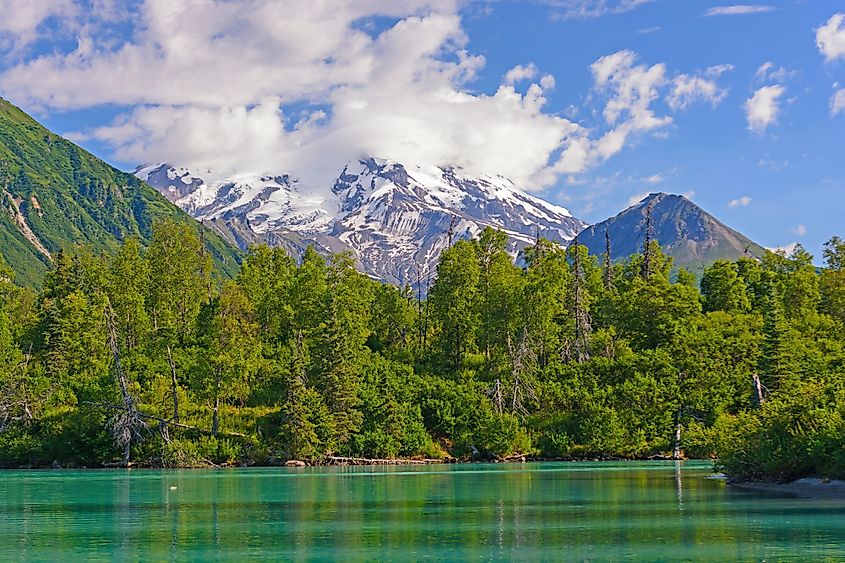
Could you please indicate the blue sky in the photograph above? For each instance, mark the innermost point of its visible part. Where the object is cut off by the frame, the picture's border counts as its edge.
(609, 100)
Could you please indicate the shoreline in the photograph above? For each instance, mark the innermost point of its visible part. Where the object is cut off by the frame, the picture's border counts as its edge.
(337, 461)
(333, 461)
(806, 487)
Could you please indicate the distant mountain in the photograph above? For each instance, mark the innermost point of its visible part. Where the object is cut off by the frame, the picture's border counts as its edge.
(396, 219)
(55, 195)
(693, 237)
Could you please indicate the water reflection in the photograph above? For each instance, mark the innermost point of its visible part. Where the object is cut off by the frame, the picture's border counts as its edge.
(679, 485)
(535, 511)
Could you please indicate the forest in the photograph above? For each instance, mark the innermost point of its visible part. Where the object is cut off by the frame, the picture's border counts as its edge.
(149, 356)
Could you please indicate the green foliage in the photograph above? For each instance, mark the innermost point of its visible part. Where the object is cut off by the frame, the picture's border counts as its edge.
(202, 452)
(453, 299)
(300, 361)
(722, 289)
(796, 434)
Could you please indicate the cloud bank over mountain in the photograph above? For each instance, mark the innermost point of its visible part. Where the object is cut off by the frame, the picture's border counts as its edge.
(301, 86)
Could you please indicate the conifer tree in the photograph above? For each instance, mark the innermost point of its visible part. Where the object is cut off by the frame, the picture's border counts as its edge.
(499, 284)
(345, 332)
(774, 360)
(303, 411)
(723, 290)
(453, 298)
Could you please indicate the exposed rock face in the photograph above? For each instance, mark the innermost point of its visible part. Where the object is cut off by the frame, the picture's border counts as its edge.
(398, 220)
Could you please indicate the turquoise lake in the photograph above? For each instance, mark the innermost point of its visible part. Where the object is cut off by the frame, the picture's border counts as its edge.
(646, 511)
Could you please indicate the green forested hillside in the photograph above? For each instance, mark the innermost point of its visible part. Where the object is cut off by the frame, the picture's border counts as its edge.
(138, 356)
(56, 195)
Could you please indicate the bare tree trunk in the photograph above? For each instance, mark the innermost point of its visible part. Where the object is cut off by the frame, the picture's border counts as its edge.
(676, 447)
(215, 417)
(583, 328)
(174, 384)
(608, 264)
(215, 413)
(647, 257)
(496, 393)
(758, 390)
(25, 369)
(522, 359)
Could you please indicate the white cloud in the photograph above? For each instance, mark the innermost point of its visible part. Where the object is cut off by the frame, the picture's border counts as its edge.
(830, 38)
(774, 165)
(743, 201)
(799, 230)
(785, 250)
(630, 90)
(520, 73)
(411, 109)
(20, 20)
(636, 198)
(632, 87)
(688, 89)
(837, 102)
(738, 10)
(290, 49)
(654, 179)
(649, 30)
(212, 95)
(583, 9)
(769, 73)
(762, 108)
(303, 87)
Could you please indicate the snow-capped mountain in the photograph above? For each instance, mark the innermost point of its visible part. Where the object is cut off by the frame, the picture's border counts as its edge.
(395, 219)
(266, 202)
(398, 219)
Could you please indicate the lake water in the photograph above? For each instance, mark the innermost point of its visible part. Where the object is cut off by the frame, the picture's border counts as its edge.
(545, 511)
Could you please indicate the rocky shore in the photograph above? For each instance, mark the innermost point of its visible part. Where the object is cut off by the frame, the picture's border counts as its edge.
(808, 487)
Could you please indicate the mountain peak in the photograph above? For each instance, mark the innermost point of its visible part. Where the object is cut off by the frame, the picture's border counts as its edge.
(685, 231)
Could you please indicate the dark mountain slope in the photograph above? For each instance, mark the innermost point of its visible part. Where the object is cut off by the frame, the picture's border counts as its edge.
(693, 237)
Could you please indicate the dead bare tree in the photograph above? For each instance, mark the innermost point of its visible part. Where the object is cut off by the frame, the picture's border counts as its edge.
(523, 359)
(127, 425)
(580, 308)
(608, 264)
(676, 443)
(647, 254)
(450, 234)
(497, 396)
(758, 388)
